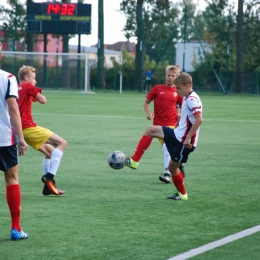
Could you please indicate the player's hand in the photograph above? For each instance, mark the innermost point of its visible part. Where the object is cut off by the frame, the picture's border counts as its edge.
(22, 147)
(150, 116)
(187, 143)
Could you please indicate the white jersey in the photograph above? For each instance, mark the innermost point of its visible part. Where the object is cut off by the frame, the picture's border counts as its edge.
(191, 106)
(8, 88)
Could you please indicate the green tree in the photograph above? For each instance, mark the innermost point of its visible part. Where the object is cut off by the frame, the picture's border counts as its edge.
(153, 23)
(252, 36)
(14, 22)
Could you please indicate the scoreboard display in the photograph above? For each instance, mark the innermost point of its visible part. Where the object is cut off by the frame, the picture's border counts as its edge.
(59, 18)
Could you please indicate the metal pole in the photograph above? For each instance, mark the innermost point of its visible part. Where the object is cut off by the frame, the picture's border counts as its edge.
(228, 46)
(57, 60)
(86, 73)
(121, 72)
(185, 37)
(45, 61)
(78, 63)
(141, 51)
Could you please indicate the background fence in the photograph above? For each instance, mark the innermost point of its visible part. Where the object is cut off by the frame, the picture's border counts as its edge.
(75, 72)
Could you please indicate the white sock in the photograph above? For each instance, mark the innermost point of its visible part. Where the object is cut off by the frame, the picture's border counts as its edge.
(45, 165)
(166, 158)
(55, 161)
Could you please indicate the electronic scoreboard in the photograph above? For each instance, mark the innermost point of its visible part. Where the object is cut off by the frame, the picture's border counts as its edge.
(59, 18)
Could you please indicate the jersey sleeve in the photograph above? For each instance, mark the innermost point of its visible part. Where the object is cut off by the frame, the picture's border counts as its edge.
(12, 90)
(194, 105)
(32, 90)
(152, 93)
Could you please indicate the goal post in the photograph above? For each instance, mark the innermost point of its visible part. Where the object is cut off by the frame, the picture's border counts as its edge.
(55, 71)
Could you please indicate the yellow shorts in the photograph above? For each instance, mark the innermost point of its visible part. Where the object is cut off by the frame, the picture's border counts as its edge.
(161, 141)
(36, 136)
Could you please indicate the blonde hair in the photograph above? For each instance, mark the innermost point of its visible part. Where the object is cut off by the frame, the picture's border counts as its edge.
(183, 79)
(173, 68)
(25, 70)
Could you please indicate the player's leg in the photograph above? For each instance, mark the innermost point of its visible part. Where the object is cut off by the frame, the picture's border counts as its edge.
(179, 154)
(166, 177)
(149, 85)
(143, 145)
(47, 150)
(43, 140)
(178, 182)
(9, 164)
(60, 145)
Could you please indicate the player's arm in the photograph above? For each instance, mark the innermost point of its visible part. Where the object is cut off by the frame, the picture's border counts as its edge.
(16, 122)
(149, 114)
(178, 115)
(40, 98)
(194, 128)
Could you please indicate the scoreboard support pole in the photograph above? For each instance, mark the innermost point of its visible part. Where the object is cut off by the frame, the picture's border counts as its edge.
(78, 63)
(44, 61)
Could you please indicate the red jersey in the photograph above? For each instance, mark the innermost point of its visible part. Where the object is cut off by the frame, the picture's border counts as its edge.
(27, 92)
(165, 101)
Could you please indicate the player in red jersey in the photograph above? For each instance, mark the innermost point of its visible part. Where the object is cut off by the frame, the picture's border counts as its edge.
(41, 139)
(166, 103)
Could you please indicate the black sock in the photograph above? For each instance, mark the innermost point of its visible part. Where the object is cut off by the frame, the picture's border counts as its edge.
(49, 176)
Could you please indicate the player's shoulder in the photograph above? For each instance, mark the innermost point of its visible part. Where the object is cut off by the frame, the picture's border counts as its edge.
(25, 85)
(159, 86)
(5, 75)
(193, 97)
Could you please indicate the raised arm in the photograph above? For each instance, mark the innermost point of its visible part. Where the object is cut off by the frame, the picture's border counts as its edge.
(40, 98)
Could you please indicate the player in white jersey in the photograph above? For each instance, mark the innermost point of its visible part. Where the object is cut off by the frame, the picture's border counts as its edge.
(191, 106)
(11, 135)
(181, 140)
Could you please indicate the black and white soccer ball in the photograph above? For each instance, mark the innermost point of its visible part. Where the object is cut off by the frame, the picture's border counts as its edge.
(116, 160)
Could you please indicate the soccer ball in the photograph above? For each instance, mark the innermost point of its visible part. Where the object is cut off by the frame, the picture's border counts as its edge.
(116, 160)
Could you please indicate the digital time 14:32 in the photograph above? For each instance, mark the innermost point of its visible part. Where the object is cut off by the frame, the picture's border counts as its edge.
(60, 9)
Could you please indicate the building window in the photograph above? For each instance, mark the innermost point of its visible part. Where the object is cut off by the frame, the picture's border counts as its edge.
(112, 58)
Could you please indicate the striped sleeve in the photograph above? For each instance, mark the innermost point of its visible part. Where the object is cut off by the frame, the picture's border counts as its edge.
(194, 105)
(12, 88)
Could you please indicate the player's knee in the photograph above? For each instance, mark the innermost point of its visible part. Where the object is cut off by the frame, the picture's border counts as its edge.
(148, 131)
(64, 144)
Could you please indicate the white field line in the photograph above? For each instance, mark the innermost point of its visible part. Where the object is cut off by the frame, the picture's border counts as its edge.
(137, 117)
(220, 242)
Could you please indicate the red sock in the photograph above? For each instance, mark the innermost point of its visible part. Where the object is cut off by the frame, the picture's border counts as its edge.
(179, 183)
(13, 198)
(142, 146)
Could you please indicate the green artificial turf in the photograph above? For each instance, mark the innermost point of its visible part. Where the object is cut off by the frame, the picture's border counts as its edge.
(124, 214)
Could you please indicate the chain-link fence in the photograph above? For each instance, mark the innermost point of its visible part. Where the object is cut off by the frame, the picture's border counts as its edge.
(202, 82)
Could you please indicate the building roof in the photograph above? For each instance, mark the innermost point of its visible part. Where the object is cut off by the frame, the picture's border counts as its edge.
(85, 49)
(119, 46)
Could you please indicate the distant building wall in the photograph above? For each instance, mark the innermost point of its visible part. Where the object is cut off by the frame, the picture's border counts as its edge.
(191, 53)
(109, 55)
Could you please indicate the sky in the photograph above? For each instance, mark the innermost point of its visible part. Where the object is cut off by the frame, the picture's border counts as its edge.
(114, 22)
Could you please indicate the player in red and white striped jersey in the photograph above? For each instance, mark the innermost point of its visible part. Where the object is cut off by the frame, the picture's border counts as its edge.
(180, 141)
(11, 135)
